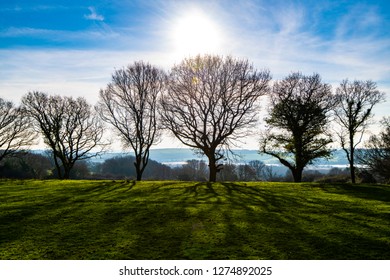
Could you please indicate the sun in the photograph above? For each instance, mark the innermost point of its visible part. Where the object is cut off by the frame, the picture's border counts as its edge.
(195, 33)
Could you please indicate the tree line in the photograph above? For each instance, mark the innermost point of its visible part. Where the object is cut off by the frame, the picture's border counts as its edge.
(209, 103)
(39, 165)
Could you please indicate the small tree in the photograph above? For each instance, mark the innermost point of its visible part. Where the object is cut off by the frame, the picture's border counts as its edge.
(129, 104)
(355, 101)
(246, 172)
(259, 168)
(298, 121)
(376, 155)
(210, 101)
(192, 170)
(15, 130)
(70, 128)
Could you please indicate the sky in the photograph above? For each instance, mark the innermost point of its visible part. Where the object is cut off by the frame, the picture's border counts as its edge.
(73, 47)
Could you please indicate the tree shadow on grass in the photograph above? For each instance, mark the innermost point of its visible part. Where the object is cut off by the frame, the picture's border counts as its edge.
(260, 223)
(176, 220)
(365, 191)
(232, 221)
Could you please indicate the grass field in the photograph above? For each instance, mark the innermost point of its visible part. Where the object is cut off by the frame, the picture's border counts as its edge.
(183, 220)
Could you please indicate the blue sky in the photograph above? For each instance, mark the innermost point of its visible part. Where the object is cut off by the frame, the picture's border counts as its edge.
(72, 47)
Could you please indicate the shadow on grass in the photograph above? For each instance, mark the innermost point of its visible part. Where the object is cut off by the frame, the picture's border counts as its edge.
(176, 220)
(365, 191)
(261, 223)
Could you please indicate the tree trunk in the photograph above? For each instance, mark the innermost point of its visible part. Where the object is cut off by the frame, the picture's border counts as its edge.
(352, 167)
(212, 168)
(66, 173)
(141, 161)
(58, 167)
(297, 174)
(352, 159)
(138, 169)
(213, 173)
(67, 169)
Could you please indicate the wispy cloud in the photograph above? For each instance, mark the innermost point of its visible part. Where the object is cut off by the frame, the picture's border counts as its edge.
(67, 72)
(93, 15)
(286, 39)
(359, 20)
(24, 8)
(101, 34)
(11, 9)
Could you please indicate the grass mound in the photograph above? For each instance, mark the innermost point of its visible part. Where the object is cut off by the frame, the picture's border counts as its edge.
(180, 220)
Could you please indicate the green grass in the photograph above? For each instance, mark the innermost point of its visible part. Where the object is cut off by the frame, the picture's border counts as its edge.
(180, 220)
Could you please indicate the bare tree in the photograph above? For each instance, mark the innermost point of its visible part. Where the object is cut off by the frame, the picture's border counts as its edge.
(192, 170)
(259, 168)
(246, 172)
(355, 101)
(298, 119)
(15, 129)
(129, 104)
(70, 128)
(376, 155)
(210, 101)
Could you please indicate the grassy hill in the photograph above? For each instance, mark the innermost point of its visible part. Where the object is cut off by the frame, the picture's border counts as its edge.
(184, 220)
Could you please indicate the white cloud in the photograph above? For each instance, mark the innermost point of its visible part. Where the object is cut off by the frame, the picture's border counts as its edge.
(66, 72)
(93, 15)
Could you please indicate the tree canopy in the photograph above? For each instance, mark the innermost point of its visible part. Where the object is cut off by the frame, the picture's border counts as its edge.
(210, 101)
(15, 130)
(70, 128)
(355, 101)
(129, 104)
(298, 121)
(376, 155)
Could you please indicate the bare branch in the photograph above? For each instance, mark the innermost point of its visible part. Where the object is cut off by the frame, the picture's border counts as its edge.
(376, 155)
(355, 101)
(15, 130)
(129, 104)
(71, 128)
(210, 101)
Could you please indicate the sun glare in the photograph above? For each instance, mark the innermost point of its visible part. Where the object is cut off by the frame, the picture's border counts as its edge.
(195, 33)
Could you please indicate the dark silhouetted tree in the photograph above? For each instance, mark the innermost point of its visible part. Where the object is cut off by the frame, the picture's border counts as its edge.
(259, 168)
(15, 130)
(70, 128)
(129, 104)
(355, 101)
(211, 101)
(298, 122)
(376, 155)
